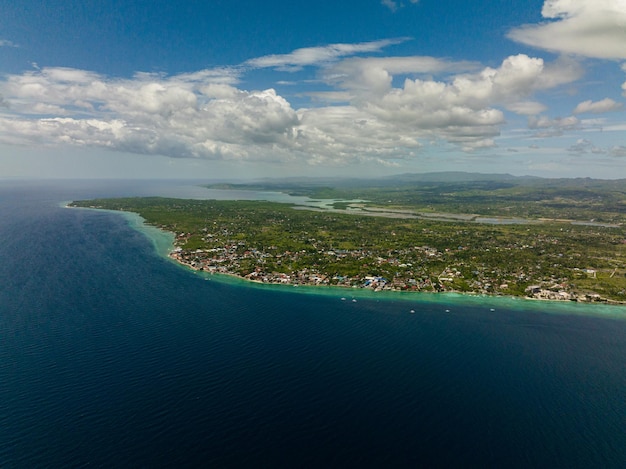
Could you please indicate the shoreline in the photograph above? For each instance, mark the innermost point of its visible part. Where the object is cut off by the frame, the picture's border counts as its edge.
(443, 297)
(447, 301)
(164, 242)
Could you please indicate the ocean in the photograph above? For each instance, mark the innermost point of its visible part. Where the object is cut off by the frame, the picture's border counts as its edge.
(111, 355)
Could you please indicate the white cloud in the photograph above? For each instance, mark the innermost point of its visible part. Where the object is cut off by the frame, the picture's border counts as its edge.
(614, 128)
(394, 5)
(318, 55)
(560, 72)
(460, 111)
(347, 134)
(591, 28)
(179, 116)
(220, 75)
(597, 107)
(618, 151)
(547, 127)
(375, 74)
(330, 96)
(584, 146)
(7, 43)
(543, 122)
(526, 108)
(373, 109)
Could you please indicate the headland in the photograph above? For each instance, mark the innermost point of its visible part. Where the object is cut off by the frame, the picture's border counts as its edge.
(538, 253)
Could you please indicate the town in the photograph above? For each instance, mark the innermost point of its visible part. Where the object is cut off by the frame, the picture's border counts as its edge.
(273, 243)
(405, 270)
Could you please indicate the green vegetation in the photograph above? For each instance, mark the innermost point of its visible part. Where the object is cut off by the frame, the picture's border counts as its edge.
(581, 199)
(273, 242)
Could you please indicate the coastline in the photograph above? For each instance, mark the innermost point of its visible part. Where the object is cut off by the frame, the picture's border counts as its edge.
(446, 299)
(164, 243)
(162, 240)
(284, 281)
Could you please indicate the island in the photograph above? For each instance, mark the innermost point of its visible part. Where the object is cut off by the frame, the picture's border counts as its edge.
(536, 238)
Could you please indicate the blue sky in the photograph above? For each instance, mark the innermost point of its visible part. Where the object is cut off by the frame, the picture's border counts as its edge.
(240, 89)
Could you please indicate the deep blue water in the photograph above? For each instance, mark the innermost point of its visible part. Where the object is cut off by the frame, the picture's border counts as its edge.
(111, 355)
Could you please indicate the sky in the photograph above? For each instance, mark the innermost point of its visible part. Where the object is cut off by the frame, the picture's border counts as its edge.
(233, 89)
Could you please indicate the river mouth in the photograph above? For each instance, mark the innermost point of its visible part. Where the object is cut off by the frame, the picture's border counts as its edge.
(360, 207)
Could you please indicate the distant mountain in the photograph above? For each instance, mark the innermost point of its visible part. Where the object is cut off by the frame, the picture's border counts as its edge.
(456, 176)
(451, 179)
(385, 181)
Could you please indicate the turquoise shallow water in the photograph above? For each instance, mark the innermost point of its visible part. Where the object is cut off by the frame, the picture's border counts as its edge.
(112, 355)
(445, 300)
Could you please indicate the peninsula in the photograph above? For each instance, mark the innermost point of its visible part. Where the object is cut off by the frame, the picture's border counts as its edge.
(478, 237)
